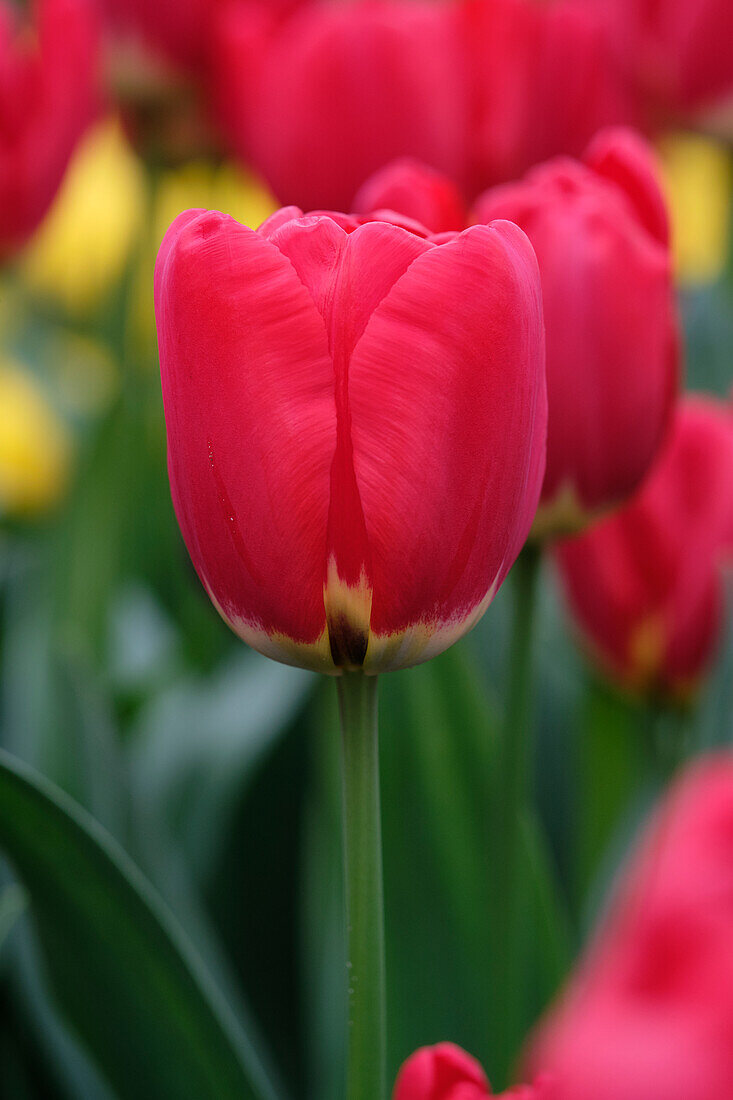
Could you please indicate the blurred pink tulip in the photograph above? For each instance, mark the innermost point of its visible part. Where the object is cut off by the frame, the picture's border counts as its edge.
(678, 53)
(48, 96)
(446, 1072)
(645, 585)
(599, 228)
(340, 90)
(417, 191)
(649, 1015)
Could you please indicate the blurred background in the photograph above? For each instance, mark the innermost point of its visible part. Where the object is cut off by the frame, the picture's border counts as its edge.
(215, 769)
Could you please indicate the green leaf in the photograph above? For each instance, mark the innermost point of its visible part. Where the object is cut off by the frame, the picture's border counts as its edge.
(126, 978)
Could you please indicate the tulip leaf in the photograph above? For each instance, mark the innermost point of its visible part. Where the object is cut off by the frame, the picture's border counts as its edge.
(123, 973)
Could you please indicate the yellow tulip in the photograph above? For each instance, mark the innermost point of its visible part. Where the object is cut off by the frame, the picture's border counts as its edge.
(35, 446)
(82, 246)
(698, 174)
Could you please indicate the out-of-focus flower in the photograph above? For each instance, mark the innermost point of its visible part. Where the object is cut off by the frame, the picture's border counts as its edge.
(446, 1072)
(340, 90)
(678, 52)
(356, 422)
(600, 232)
(542, 79)
(82, 247)
(35, 446)
(181, 33)
(698, 178)
(417, 191)
(48, 95)
(644, 585)
(649, 1015)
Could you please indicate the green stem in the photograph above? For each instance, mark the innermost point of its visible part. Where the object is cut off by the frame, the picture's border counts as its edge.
(511, 798)
(363, 877)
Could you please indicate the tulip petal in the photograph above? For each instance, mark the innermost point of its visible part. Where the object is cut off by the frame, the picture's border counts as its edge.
(250, 472)
(446, 436)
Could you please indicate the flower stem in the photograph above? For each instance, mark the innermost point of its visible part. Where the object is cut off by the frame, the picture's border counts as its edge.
(511, 797)
(363, 877)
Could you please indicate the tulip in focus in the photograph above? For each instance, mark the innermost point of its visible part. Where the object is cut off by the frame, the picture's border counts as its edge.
(645, 585)
(649, 1015)
(600, 232)
(356, 425)
(48, 96)
(445, 1072)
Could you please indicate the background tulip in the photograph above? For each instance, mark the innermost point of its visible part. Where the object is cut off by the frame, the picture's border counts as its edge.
(293, 480)
(680, 54)
(600, 232)
(445, 1072)
(418, 192)
(650, 1012)
(47, 98)
(315, 123)
(645, 584)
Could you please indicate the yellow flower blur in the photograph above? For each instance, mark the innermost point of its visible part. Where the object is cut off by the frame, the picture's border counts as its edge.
(80, 250)
(35, 446)
(698, 176)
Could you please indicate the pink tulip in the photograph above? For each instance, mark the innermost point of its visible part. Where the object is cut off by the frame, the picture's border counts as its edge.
(600, 232)
(339, 91)
(48, 96)
(649, 1015)
(445, 1072)
(417, 191)
(356, 423)
(679, 53)
(645, 585)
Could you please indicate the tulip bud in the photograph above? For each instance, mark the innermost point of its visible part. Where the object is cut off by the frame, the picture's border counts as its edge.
(356, 421)
(446, 1072)
(644, 585)
(650, 1012)
(48, 96)
(418, 192)
(600, 232)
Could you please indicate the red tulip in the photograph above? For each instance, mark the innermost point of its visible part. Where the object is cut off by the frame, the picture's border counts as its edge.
(48, 96)
(599, 229)
(356, 422)
(679, 52)
(542, 80)
(649, 1015)
(182, 33)
(645, 584)
(445, 1072)
(417, 191)
(340, 90)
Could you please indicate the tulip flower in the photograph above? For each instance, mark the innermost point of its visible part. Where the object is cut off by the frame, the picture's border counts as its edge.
(600, 232)
(356, 424)
(356, 496)
(644, 585)
(417, 191)
(679, 53)
(650, 1012)
(445, 1072)
(339, 91)
(47, 99)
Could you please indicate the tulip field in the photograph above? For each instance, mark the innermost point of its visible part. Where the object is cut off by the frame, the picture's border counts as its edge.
(366, 531)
